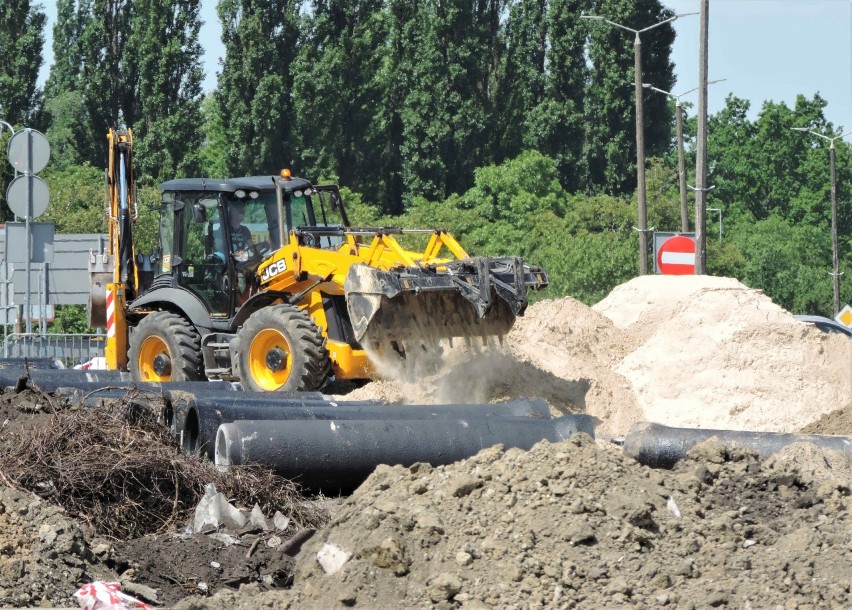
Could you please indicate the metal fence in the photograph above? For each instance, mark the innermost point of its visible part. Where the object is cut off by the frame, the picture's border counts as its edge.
(70, 349)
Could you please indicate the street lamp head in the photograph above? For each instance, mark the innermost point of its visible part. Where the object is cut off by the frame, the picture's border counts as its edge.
(593, 17)
(802, 129)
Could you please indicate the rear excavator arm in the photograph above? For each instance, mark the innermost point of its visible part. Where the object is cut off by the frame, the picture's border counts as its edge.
(114, 278)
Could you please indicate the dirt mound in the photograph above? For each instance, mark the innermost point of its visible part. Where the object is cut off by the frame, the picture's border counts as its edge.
(45, 556)
(836, 422)
(571, 525)
(573, 342)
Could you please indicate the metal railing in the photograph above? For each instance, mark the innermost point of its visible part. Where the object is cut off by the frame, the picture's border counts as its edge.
(70, 349)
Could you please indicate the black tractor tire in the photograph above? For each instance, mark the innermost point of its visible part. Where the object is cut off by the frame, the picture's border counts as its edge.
(165, 347)
(279, 349)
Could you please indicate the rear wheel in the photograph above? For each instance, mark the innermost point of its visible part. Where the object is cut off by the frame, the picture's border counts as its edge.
(165, 347)
(279, 349)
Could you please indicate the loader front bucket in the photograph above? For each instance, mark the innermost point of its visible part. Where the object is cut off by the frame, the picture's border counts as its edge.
(474, 297)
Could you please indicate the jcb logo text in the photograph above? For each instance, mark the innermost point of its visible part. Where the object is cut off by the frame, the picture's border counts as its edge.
(273, 270)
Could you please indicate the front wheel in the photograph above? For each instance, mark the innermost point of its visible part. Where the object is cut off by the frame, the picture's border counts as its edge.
(279, 349)
(165, 347)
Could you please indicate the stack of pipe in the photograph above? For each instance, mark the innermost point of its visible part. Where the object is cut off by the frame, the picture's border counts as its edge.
(196, 418)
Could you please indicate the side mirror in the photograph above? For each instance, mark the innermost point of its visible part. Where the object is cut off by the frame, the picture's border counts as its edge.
(199, 213)
(334, 200)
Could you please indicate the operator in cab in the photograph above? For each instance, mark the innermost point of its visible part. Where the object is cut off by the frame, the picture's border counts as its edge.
(241, 240)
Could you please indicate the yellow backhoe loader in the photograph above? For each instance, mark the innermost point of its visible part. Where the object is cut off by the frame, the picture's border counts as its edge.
(262, 280)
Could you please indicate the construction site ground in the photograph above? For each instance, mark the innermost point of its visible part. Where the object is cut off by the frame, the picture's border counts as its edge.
(570, 525)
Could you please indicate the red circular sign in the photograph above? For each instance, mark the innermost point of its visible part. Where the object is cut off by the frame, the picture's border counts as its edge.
(677, 256)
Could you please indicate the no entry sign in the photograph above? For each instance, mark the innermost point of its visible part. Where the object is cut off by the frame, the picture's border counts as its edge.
(676, 256)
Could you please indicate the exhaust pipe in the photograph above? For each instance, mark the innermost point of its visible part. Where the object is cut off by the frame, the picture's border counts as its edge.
(336, 456)
(660, 446)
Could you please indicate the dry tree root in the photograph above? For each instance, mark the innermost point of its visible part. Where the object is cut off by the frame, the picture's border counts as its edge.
(117, 468)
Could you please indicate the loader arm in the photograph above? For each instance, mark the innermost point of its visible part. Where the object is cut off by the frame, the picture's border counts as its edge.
(113, 275)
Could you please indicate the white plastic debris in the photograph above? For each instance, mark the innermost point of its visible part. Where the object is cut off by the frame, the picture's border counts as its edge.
(100, 595)
(332, 558)
(280, 522)
(258, 519)
(214, 510)
(671, 505)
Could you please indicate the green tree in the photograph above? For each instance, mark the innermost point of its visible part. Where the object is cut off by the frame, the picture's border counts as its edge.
(539, 103)
(214, 146)
(610, 145)
(522, 83)
(109, 75)
(255, 85)
(168, 129)
(337, 92)
(21, 43)
(65, 109)
(788, 262)
(448, 70)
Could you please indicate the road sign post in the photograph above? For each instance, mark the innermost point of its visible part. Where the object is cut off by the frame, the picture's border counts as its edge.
(28, 196)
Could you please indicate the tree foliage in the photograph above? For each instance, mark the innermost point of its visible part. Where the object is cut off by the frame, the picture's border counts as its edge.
(255, 85)
(125, 64)
(21, 43)
(168, 128)
(337, 92)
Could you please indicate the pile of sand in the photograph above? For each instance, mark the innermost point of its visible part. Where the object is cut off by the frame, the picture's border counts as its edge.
(692, 351)
(709, 352)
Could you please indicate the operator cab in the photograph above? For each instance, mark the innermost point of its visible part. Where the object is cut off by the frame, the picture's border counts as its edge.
(213, 234)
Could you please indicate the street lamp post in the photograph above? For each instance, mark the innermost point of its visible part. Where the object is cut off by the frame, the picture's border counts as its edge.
(640, 130)
(835, 257)
(681, 164)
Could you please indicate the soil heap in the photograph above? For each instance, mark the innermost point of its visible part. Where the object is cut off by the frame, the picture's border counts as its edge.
(571, 525)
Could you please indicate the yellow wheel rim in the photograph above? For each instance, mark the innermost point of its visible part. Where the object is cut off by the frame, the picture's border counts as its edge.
(149, 350)
(270, 359)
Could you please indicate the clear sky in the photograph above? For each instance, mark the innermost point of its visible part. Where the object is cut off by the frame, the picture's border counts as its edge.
(769, 50)
(766, 49)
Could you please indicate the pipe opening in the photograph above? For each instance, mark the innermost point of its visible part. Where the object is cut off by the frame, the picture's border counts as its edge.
(221, 458)
(189, 434)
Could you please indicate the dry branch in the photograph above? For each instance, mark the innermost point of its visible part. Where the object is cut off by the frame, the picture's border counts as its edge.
(117, 468)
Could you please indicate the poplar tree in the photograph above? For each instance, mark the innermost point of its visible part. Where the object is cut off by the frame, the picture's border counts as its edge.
(542, 85)
(255, 84)
(109, 75)
(609, 104)
(337, 92)
(66, 118)
(557, 125)
(449, 67)
(21, 43)
(169, 124)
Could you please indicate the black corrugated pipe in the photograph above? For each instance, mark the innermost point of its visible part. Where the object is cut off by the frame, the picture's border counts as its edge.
(660, 446)
(195, 422)
(336, 456)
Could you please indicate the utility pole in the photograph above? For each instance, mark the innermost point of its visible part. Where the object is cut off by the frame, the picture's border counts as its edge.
(640, 130)
(681, 163)
(835, 255)
(701, 148)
